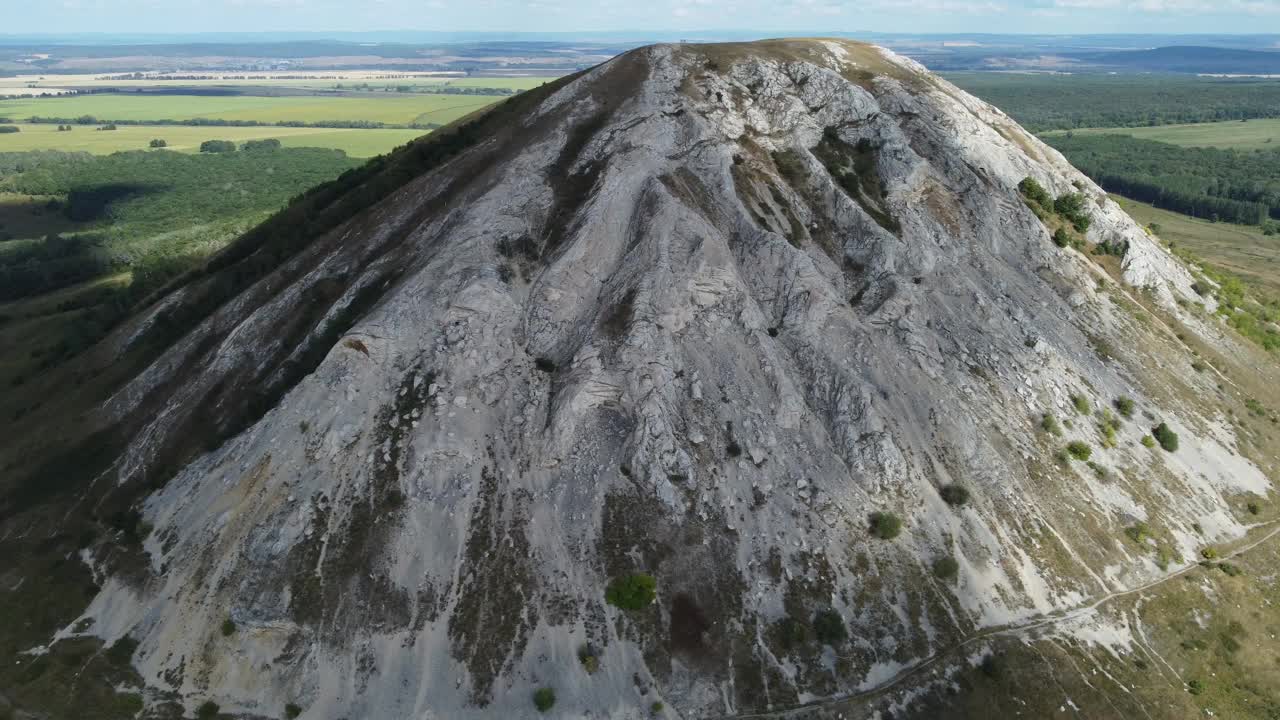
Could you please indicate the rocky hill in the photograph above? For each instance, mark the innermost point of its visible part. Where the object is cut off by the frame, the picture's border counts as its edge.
(859, 373)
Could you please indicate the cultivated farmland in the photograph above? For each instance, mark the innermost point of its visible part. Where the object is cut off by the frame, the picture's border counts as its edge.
(398, 109)
(87, 138)
(1234, 135)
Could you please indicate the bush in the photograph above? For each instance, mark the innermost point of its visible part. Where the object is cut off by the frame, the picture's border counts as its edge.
(9, 129)
(885, 526)
(954, 494)
(792, 633)
(1081, 404)
(1230, 570)
(993, 666)
(544, 699)
(590, 661)
(1061, 237)
(633, 592)
(228, 627)
(1138, 532)
(267, 144)
(207, 710)
(1124, 406)
(1034, 192)
(1107, 428)
(829, 627)
(1148, 441)
(1049, 424)
(656, 707)
(1209, 553)
(1079, 450)
(1071, 207)
(1195, 687)
(1167, 438)
(945, 568)
(292, 711)
(158, 143)
(1254, 508)
(217, 146)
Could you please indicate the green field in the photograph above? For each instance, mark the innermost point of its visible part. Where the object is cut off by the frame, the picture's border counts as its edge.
(394, 109)
(1240, 249)
(1235, 135)
(347, 79)
(356, 143)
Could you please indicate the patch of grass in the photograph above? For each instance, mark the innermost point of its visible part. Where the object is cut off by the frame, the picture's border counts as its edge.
(1148, 441)
(544, 699)
(632, 592)
(1230, 570)
(656, 708)
(885, 526)
(1079, 450)
(1255, 408)
(588, 658)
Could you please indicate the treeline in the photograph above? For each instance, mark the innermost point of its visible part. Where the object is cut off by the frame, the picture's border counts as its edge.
(1065, 102)
(219, 122)
(1210, 183)
(32, 268)
(448, 90)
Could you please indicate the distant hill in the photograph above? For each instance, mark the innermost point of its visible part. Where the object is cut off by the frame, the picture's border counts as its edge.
(1189, 59)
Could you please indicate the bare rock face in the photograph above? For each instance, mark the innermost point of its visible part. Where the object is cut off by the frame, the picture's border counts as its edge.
(698, 313)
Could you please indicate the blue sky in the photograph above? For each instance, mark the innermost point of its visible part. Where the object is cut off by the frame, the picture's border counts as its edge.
(767, 16)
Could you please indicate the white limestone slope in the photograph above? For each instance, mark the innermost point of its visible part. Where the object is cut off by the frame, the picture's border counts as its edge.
(739, 362)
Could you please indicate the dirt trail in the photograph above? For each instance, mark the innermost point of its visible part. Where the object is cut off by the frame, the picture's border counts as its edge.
(1029, 624)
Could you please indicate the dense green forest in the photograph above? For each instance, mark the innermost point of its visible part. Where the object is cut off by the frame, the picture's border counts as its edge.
(142, 210)
(1041, 102)
(1210, 183)
(150, 214)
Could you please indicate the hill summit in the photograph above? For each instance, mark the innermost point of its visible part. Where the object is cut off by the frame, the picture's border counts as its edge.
(715, 380)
